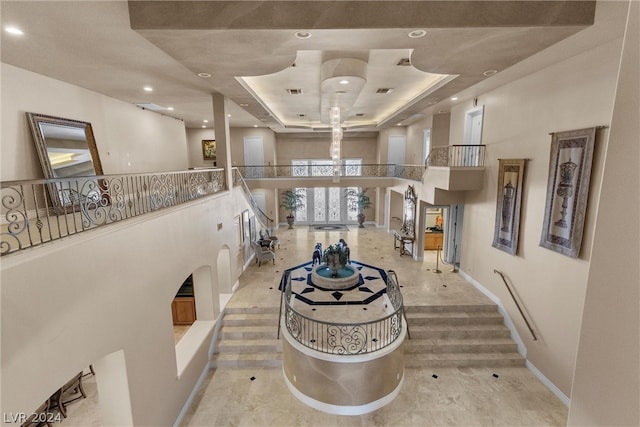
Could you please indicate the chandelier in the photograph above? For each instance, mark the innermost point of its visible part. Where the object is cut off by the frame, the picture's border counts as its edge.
(336, 142)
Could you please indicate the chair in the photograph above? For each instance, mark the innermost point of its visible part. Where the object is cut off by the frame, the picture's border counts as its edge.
(70, 392)
(267, 236)
(263, 254)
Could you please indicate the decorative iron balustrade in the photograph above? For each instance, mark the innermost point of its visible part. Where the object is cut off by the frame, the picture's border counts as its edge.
(457, 156)
(412, 172)
(238, 181)
(40, 211)
(345, 338)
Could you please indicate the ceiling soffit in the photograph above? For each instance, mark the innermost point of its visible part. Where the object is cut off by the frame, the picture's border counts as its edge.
(237, 41)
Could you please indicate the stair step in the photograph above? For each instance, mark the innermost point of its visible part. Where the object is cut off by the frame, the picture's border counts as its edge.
(491, 330)
(239, 360)
(454, 318)
(245, 319)
(467, 308)
(499, 345)
(463, 360)
(252, 310)
(248, 332)
(249, 346)
(441, 336)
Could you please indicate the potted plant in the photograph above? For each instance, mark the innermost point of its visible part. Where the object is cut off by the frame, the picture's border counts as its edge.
(360, 201)
(292, 201)
(335, 256)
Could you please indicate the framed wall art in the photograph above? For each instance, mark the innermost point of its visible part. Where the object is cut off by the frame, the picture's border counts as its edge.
(252, 229)
(246, 232)
(508, 202)
(209, 149)
(567, 190)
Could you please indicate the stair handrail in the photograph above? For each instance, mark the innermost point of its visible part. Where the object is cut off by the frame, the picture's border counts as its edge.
(533, 334)
(263, 219)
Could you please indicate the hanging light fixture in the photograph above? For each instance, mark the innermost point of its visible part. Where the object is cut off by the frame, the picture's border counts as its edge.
(336, 142)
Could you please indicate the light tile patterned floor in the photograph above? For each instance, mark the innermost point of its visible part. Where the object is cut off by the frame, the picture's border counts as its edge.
(429, 397)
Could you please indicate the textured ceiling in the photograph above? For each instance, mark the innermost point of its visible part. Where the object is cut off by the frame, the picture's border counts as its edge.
(251, 51)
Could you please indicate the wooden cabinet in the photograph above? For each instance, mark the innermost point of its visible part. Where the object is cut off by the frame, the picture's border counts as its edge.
(432, 240)
(183, 310)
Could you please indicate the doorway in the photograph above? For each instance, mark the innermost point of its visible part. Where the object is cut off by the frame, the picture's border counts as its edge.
(435, 228)
(328, 205)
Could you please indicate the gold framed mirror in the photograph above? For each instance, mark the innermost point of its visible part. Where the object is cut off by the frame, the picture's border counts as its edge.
(67, 152)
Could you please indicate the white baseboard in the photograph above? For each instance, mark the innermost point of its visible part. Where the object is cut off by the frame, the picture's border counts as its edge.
(192, 395)
(235, 286)
(516, 337)
(551, 386)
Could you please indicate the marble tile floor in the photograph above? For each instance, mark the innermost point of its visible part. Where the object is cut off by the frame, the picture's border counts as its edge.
(429, 396)
(442, 397)
(179, 331)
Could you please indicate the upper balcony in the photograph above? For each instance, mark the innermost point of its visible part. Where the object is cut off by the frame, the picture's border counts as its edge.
(451, 171)
(328, 175)
(40, 211)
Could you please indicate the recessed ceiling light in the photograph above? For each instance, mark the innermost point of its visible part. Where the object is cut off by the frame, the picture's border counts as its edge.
(255, 126)
(205, 121)
(204, 75)
(203, 126)
(490, 73)
(14, 30)
(454, 98)
(170, 108)
(244, 105)
(148, 89)
(228, 115)
(303, 34)
(399, 124)
(344, 82)
(416, 34)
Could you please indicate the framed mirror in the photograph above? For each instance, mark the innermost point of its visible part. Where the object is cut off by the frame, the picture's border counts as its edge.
(67, 152)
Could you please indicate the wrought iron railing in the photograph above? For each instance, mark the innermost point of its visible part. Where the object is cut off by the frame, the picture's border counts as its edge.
(40, 211)
(263, 219)
(412, 172)
(457, 156)
(345, 338)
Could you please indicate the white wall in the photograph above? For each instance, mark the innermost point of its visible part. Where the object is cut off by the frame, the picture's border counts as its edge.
(194, 144)
(573, 94)
(71, 303)
(606, 387)
(108, 291)
(129, 139)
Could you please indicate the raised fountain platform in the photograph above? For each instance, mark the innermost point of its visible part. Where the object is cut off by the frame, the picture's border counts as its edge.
(347, 277)
(343, 350)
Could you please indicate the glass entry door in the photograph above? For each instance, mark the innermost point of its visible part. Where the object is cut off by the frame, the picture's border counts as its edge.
(326, 205)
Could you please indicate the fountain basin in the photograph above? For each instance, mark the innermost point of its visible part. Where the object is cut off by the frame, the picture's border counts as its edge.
(322, 276)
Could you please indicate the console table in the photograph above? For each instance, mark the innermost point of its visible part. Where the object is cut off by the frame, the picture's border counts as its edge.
(401, 241)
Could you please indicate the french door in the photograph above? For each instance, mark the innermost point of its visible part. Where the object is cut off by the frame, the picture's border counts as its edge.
(324, 205)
